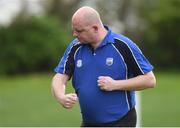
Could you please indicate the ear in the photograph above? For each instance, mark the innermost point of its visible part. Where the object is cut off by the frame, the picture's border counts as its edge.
(95, 28)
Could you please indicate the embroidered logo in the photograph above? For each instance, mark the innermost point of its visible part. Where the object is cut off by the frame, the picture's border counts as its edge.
(109, 61)
(79, 63)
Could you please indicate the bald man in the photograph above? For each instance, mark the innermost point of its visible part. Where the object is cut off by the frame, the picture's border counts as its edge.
(106, 69)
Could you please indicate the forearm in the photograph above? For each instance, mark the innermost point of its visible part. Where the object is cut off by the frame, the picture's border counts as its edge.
(58, 87)
(137, 83)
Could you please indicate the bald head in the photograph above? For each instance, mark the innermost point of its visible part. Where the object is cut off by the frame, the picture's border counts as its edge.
(87, 26)
(87, 16)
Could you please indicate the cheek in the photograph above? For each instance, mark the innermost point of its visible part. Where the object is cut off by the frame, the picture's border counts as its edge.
(84, 36)
(91, 37)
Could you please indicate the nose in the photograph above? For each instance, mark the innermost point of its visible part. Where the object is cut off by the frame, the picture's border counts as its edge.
(75, 34)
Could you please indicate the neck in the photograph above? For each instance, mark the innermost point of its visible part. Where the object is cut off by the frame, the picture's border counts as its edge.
(100, 38)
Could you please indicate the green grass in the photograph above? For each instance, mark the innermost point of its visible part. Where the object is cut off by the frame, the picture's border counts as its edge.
(26, 100)
(161, 105)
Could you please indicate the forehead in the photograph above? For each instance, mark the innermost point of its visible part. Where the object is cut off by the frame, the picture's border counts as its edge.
(78, 25)
(79, 22)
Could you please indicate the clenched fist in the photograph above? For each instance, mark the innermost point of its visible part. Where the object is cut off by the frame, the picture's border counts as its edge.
(68, 100)
(106, 83)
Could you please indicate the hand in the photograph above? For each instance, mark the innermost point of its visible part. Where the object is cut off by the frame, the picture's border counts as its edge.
(106, 83)
(68, 100)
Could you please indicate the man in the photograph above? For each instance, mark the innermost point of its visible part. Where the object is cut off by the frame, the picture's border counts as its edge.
(106, 69)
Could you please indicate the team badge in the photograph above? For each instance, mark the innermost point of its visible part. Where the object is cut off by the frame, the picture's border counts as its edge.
(109, 61)
(79, 63)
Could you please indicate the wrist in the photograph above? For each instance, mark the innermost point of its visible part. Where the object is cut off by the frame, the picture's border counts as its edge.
(61, 97)
(117, 85)
(114, 87)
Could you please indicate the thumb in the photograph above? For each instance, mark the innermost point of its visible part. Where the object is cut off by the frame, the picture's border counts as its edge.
(74, 96)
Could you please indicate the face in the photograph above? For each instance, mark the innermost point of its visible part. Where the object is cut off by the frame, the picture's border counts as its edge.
(84, 33)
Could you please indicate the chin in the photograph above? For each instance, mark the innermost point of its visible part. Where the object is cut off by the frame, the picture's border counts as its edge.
(83, 42)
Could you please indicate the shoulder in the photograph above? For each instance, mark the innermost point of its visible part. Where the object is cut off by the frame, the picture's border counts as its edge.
(122, 38)
(74, 44)
(125, 42)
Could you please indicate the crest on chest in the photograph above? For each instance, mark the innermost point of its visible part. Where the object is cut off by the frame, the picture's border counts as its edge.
(109, 61)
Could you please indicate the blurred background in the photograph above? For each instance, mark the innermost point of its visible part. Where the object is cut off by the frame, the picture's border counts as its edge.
(35, 33)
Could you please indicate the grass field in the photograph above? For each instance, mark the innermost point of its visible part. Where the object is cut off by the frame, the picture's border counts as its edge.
(27, 101)
(161, 105)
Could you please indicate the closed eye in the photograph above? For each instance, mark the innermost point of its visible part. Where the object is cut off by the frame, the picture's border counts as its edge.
(79, 31)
